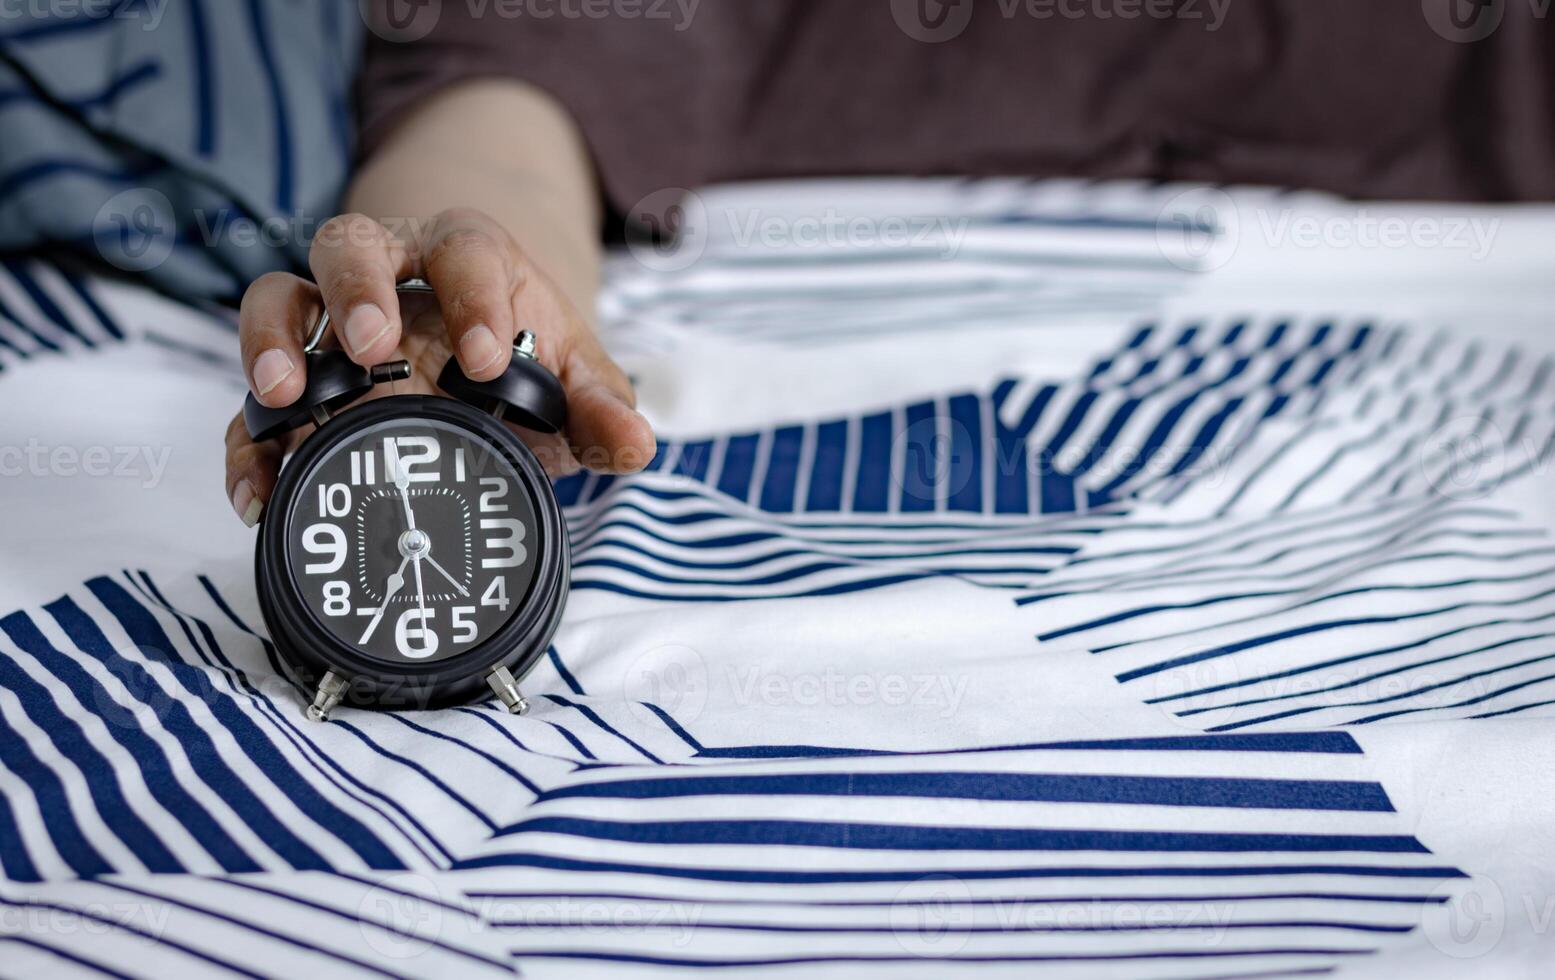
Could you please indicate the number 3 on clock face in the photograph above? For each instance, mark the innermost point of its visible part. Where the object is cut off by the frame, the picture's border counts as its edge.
(410, 541)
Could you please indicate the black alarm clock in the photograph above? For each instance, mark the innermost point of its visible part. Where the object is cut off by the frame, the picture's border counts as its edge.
(413, 554)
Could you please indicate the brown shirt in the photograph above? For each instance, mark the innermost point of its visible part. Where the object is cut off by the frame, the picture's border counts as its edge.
(1370, 98)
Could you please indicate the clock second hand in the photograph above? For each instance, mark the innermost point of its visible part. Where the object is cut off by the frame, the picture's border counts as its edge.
(421, 594)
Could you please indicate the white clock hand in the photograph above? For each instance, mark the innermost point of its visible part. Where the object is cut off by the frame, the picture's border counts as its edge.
(421, 593)
(402, 480)
(444, 572)
(396, 582)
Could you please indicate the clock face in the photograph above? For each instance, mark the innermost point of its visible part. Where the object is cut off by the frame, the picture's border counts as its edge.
(412, 540)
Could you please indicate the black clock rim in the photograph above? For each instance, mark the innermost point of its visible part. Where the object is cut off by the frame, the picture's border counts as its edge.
(310, 648)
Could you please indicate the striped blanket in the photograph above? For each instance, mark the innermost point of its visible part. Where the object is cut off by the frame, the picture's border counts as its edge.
(998, 601)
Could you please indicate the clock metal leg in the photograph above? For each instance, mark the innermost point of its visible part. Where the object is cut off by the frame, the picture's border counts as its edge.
(332, 687)
(506, 688)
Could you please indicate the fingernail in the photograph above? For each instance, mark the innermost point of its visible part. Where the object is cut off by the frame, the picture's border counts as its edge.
(247, 503)
(270, 369)
(364, 326)
(479, 348)
(625, 403)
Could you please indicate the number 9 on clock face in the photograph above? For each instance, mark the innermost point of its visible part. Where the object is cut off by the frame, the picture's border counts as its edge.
(412, 541)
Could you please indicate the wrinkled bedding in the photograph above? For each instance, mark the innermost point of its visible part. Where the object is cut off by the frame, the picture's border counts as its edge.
(1047, 585)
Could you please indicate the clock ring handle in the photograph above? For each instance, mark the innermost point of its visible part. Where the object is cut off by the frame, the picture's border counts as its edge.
(321, 326)
(526, 393)
(333, 382)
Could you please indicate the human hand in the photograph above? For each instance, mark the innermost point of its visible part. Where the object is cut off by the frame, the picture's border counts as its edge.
(486, 292)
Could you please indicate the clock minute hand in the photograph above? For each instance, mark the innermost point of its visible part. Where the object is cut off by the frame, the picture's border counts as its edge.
(444, 572)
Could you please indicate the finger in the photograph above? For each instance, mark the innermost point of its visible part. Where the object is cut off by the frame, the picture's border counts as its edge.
(251, 470)
(551, 449)
(607, 434)
(472, 264)
(606, 431)
(276, 309)
(356, 262)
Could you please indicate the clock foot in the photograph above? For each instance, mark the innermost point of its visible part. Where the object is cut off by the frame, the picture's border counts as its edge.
(332, 687)
(506, 689)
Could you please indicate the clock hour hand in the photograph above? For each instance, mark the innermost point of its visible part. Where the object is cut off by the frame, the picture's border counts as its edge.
(396, 582)
(444, 572)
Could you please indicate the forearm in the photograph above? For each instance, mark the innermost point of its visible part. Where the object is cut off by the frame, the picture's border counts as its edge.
(503, 148)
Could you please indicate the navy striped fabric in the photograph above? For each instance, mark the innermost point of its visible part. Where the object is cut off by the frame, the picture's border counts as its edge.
(45, 310)
(995, 488)
(826, 263)
(1231, 616)
(147, 736)
(1360, 566)
(197, 143)
(1167, 404)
